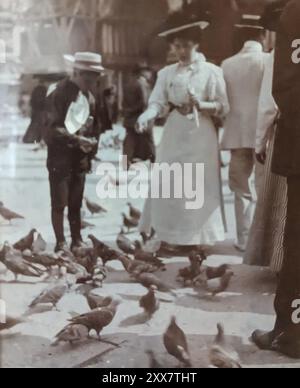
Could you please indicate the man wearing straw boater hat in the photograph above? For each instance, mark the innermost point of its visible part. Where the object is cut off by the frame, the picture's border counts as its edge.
(243, 75)
(72, 133)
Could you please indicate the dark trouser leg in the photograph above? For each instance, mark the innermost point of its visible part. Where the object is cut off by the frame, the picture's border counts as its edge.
(289, 284)
(77, 184)
(130, 144)
(149, 150)
(59, 190)
(287, 331)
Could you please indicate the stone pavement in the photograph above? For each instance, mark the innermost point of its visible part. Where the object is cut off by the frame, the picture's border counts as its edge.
(246, 305)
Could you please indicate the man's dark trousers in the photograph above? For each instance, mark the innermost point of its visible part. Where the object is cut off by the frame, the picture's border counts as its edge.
(289, 285)
(67, 191)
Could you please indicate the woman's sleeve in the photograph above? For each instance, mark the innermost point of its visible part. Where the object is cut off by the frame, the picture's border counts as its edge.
(217, 92)
(159, 97)
(268, 109)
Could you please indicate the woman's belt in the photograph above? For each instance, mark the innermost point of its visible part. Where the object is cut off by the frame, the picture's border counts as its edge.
(185, 109)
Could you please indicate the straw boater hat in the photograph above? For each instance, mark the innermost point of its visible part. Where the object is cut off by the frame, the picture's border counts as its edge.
(250, 22)
(183, 21)
(86, 61)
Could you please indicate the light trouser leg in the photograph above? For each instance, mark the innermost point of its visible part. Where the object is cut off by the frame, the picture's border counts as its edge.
(240, 171)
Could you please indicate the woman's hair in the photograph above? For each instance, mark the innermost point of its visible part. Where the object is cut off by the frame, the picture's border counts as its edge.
(190, 34)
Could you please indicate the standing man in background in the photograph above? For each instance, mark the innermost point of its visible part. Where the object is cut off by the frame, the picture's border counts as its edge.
(136, 97)
(243, 75)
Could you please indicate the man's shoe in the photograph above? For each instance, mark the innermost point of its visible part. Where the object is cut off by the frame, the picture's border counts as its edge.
(263, 339)
(288, 344)
(62, 247)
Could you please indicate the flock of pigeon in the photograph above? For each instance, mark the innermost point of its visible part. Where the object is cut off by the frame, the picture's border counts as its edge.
(85, 269)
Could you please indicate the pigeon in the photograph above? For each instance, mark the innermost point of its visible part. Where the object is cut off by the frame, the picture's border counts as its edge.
(147, 238)
(67, 260)
(176, 343)
(97, 319)
(104, 251)
(39, 245)
(134, 213)
(47, 260)
(152, 246)
(126, 245)
(86, 225)
(94, 301)
(96, 278)
(135, 267)
(213, 273)
(2, 253)
(149, 302)
(190, 273)
(221, 354)
(18, 266)
(130, 223)
(8, 214)
(147, 280)
(147, 257)
(94, 208)
(87, 257)
(10, 322)
(88, 262)
(26, 242)
(218, 285)
(71, 334)
(51, 295)
(153, 363)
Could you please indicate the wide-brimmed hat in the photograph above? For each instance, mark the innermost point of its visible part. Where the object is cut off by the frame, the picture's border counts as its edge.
(184, 20)
(250, 22)
(272, 13)
(86, 61)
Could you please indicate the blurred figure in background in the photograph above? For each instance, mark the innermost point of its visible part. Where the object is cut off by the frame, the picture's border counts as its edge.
(38, 105)
(243, 75)
(109, 108)
(137, 92)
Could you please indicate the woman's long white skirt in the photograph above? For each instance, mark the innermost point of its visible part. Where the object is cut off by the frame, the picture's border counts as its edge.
(184, 143)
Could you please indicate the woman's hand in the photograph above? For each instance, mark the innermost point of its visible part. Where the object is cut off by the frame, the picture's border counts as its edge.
(262, 157)
(142, 124)
(196, 102)
(144, 121)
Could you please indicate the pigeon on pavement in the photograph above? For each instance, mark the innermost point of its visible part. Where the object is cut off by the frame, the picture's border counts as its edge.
(175, 342)
(222, 355)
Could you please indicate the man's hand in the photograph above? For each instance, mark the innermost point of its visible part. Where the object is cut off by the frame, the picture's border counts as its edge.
(86, 145)
(262, 157)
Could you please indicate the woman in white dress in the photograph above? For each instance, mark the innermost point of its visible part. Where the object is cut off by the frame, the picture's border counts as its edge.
(192, 92)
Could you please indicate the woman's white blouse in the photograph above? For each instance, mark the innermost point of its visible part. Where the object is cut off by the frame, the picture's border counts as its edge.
(177, 82)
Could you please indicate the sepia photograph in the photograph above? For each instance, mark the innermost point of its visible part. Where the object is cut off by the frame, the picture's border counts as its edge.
(149, 187)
